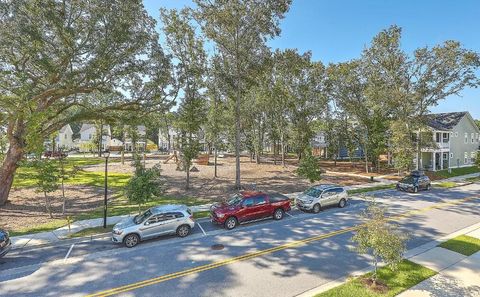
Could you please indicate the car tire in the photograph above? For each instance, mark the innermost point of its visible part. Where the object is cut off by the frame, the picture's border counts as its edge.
(131, 240)
(183, 230)
(278, 214)
(429, 187)
(316, 208)
(342, 203)
(231, 223)
(415, 189)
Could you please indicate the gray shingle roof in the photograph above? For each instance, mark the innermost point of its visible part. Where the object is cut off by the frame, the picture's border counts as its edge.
(445, 121)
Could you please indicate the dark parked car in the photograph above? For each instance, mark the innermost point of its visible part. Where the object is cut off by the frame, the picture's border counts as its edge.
(5, 242)
(56, 154)
(249, 206)
(416, 181)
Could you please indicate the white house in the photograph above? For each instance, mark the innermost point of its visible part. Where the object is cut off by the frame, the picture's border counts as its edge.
(64, 139)
(87, 134)
(167, 140)
(140, 142)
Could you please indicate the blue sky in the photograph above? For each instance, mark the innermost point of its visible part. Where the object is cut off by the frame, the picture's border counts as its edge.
(338, 30)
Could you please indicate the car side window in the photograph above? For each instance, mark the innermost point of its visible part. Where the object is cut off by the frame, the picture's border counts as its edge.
(260, 200)
(338, 190)
(169, 216)
(178, 215)
(248, 202)
(327, 193)
(152, 220)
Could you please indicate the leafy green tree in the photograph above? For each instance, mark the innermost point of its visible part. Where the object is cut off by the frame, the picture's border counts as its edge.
(47, 179)
(145, 185)
(309, 167)
(402, 144)
(59, 58)
(188, 49)
(239, 30)
(378, 237)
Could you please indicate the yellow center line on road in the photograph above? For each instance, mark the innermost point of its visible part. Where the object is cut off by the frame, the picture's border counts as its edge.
(251, 255)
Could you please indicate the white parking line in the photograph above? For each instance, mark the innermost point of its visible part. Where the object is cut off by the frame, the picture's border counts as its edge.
(68, 253)
(289, 214)
(204, 233)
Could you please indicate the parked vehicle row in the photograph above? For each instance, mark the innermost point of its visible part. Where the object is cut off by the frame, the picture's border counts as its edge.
(414, 182)
(241, 208)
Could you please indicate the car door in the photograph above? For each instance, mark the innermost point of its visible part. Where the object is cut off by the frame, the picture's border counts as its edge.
(247, 213)
(325, 198)
(170, 222)
(152, 226)
(262, 207)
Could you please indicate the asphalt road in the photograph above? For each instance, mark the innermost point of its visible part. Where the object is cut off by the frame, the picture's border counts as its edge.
(276, 258)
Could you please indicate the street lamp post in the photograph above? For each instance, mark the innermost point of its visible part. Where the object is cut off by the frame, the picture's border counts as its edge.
(106, 155)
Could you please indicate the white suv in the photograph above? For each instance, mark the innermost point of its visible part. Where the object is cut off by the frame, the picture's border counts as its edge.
(317, 197)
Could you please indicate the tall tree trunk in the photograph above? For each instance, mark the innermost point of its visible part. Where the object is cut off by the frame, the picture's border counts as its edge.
(237, 137)
(47, 205)
(63, 187)
(274, 152)
(282, 149)
(215, 163)
(15, 133)
(187, 186)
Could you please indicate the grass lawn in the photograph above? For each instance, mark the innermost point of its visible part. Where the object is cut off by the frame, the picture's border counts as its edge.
(52, 225)
(370, 189)
(447, 184)
(24, 176)
(91, 231)
(457, 171)
(407, 275)
(473, 179)
(463, 244)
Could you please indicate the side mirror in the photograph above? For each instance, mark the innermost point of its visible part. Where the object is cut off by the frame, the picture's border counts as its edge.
(147, 223)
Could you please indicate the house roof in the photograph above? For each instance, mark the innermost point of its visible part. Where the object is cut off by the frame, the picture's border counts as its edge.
(85, 127)
(64, 128)
(445, 121)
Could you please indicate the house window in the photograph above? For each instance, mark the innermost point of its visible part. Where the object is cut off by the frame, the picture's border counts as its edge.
(465, 158)
(466, 138)
(445, 137)
(472, 136)
(472, 157)
(65, 136)
(456, 134)
(478, 137)
(89, 136)
(451, 155)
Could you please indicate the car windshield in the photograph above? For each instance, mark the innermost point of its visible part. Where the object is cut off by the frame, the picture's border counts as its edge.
(408, 179)
(234, 200)
(312, 192)
(138, 219)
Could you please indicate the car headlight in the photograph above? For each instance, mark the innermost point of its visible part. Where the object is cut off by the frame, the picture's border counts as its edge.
(117, 231)
(220, 215)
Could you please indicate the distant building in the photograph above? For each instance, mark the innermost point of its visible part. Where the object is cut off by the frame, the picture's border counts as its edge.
(140, 143)
(88, 133)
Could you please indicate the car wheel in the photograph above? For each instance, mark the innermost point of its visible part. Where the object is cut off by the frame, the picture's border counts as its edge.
(278, 214)
(131, 240)
(429, 187)
(316, 208)
(231, 223)
(183, 230)
(415, 190)
(342, 203)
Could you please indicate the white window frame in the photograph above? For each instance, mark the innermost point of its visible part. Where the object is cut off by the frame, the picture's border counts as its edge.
(473, 155)
(456, 134)
(472, 136)
(465, 158)
(451, 155)
(466, 138)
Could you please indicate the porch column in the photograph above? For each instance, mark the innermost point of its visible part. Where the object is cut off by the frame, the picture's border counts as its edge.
(441, 161)
(434, 161)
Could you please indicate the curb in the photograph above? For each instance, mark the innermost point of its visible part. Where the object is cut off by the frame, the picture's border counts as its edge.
(409, 254)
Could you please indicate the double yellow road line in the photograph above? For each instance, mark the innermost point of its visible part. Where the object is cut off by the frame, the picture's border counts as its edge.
(252, 255)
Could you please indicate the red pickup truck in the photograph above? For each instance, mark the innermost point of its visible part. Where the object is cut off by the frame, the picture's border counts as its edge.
(249, 206)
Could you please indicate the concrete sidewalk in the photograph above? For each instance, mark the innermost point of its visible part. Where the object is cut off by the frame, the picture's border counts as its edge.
(458, 275)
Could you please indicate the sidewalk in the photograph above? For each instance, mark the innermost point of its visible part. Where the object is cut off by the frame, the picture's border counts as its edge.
(62, 233)
(458, 275)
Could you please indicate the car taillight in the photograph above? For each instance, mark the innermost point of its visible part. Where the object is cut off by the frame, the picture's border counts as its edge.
(191, 217)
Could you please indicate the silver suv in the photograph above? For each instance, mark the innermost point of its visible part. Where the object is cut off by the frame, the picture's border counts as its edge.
(154, 222)
(316, 197)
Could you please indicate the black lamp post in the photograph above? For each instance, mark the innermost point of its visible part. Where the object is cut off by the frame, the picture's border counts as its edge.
(106, 154)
